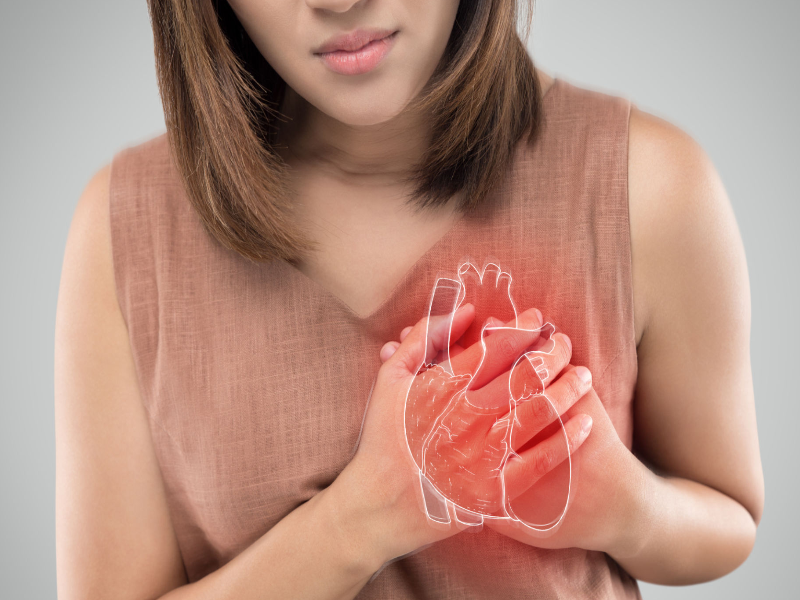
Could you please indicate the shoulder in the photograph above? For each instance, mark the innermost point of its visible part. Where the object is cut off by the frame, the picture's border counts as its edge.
(141, 161)
(94, 196)
(87, 312)
(89, 226)
(153, 145)
(99, 229)
(144, 187)
(87, 255)
(99, 414)
(682, 223)
(662, 158)
(595, 112)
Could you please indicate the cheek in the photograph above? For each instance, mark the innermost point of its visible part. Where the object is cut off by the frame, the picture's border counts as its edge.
(272, 27)
(430, 25)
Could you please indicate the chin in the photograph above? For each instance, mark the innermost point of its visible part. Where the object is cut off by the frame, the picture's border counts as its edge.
(376, 109)
(365, 118)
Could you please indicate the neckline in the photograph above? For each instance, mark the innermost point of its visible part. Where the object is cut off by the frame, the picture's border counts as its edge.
(457, 225)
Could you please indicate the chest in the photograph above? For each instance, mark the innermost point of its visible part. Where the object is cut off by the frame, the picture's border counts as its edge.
(261, 382)
(367, 239)
(261, 376)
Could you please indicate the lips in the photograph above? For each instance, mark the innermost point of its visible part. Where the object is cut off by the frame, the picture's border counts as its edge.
(370, 50)
(350, 42)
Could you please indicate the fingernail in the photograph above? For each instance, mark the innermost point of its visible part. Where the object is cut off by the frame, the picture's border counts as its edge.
(568, 342)
(584, 374)
(538, 314)
(463, 307)
(586, 424)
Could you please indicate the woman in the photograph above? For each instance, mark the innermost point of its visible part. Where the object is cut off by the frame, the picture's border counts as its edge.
(236, 321)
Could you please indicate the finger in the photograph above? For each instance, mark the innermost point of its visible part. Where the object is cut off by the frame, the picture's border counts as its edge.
(493, 322)
(389, 348)
(528, 376)
(506, 344)
(452, 352)
(523, 470)
(538, 411)
(490, 324)
(503, 347)
(533, 371)
(443, 328)
(447, 328)
(455, 350)
(428, 337)
(456, 333)
(548, 365)
(493, 395)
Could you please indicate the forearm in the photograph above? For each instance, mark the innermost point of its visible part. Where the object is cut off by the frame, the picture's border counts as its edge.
(316, 551)
(685, 532)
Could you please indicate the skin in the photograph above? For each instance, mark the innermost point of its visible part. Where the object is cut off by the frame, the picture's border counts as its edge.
(679, 513)
(349, 139)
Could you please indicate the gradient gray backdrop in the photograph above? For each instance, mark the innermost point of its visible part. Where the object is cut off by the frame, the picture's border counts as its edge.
(78, 84)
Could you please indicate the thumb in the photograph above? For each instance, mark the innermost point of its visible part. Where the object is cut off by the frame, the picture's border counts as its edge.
(427, 338)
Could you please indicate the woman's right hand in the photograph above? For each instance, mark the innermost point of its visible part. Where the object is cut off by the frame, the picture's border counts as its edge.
(380, 487)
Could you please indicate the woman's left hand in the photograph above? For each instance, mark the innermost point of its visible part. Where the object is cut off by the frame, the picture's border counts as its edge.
(607, 489)
(606, 493)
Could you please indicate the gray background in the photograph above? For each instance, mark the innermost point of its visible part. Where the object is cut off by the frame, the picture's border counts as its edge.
(78, 84)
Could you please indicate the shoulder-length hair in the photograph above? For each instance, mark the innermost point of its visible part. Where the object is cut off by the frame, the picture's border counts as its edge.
(221, 103)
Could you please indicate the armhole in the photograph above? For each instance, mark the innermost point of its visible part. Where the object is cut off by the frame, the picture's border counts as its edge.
(622, 244)
(629, 106)
(117, 244)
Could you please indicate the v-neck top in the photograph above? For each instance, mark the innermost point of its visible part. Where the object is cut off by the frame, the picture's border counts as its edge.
(456, 229)
(255, 378)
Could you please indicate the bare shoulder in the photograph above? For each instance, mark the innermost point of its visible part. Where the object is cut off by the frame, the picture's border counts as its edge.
(93, 205)
(113, 531)
(87, 295)
(90, 225)
(87, 272)
(679, 211)
(663, 158)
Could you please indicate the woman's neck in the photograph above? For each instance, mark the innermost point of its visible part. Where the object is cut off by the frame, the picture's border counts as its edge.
(370, 154)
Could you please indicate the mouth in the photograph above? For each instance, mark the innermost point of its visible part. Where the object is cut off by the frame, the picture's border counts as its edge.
(366, 55)
(353, 41)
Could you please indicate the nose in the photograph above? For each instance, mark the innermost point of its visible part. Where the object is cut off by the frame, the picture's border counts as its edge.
(333, 5)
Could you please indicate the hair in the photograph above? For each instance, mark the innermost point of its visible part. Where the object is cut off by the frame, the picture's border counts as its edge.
(221, 103)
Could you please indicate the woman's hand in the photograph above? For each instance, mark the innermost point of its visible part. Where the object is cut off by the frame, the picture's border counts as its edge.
(381, 486)
(606, 476)
(607, 483)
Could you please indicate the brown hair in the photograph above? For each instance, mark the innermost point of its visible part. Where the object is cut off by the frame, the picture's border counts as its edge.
(221, 101)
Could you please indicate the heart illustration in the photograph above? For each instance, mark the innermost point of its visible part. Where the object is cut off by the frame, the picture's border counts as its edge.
(462, 441)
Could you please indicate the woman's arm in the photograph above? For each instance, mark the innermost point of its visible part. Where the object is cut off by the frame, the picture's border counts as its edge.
(114, 538)
(694, 412)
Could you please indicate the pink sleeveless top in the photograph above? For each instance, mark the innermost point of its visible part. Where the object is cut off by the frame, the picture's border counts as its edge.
(255, 378)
